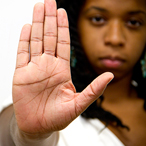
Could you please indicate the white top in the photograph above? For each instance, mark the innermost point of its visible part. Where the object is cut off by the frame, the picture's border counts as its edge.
(82, 132)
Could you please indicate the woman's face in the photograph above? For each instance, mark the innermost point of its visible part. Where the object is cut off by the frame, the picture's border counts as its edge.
(113, 34)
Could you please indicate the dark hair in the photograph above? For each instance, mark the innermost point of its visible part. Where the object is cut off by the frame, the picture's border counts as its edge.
(83, 74)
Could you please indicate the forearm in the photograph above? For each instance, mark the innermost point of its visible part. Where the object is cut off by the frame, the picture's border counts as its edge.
(10, 135)
(22, 139)
(5, 118)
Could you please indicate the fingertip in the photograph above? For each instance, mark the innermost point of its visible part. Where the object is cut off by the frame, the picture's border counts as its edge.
(38, 12)
(111, 75)
(27, 26)
(108, 75)
(25, 32)
(39, 4)
(62, 9)
(38, 7)
(50, 7)
(62, 17)
(103, 80)
(62, 12)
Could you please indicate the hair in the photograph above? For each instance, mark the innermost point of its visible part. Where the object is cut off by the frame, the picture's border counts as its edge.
(82, 72)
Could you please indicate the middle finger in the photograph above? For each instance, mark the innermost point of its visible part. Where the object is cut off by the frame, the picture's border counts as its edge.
(50, 27)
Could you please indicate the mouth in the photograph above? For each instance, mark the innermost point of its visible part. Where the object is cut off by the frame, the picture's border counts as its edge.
(112, 62)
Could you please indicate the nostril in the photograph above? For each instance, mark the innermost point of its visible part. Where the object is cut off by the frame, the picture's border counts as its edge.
(115, 40)
(114, 43)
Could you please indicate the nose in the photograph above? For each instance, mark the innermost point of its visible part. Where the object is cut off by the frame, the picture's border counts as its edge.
(114, 35)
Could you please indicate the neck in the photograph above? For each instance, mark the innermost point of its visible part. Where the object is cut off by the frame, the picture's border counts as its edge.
(120, 90)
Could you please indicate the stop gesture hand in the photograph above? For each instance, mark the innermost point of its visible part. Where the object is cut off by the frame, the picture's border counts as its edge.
(44, 96)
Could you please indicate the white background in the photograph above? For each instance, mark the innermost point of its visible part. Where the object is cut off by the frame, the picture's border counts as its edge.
(13, 15)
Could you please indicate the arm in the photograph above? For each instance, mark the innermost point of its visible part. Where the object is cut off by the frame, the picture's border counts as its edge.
(5, 118)
(10, 135)
(21, 138)
(44, 97)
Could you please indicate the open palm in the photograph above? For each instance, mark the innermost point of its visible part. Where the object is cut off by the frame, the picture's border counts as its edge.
(44, 97)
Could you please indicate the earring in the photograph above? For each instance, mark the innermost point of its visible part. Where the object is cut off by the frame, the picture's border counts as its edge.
(73, 57)
(143, 66)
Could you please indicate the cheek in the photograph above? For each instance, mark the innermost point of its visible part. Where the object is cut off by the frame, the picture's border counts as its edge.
(89, 36)
(135, 53)
(91, 48)
(91, 43)
(136, 44)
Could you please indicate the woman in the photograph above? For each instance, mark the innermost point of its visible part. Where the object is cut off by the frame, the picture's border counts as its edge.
(105, 37)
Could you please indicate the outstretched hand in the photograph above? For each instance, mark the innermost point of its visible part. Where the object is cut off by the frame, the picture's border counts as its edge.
(44, 96)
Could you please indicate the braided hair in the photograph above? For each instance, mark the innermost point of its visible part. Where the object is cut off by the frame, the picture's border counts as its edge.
(83, 73)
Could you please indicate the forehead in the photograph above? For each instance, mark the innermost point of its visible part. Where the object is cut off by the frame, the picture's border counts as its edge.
(117, 5)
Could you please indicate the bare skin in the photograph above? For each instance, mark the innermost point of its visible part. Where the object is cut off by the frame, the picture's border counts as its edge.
(45, 99)
(129, 108)
(115, 44)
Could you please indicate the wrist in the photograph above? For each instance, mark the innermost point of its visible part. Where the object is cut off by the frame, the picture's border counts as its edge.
(21, 138)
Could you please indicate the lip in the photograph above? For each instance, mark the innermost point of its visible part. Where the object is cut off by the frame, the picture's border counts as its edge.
(112, 62)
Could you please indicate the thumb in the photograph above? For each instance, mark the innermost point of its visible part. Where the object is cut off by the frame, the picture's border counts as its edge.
(92, 92)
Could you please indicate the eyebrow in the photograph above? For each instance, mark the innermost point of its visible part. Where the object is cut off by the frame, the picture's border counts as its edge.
(96, 8)
(104, 10)
(137, 12)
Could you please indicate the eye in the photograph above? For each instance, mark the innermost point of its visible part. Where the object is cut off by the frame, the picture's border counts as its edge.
(134, 23)
(97, 20)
